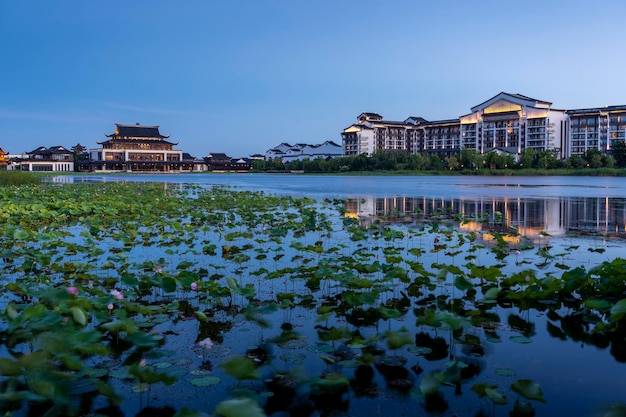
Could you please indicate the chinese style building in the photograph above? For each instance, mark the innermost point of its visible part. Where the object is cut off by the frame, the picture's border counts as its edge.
(55, 158)
(3, 159)
(136, 148)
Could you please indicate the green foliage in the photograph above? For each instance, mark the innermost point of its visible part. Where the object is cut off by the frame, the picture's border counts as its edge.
(14, 178)
(103, 283)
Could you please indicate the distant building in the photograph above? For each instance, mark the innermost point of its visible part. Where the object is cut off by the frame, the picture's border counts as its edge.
(221, 162)
(505, 123)
(372, 133)
(596, 128)
(3, 159)
(55, 158)
(278, 151)
(136, 148)
(513, 123)
(302, 151)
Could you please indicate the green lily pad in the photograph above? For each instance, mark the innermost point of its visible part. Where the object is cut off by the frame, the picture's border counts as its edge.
(505, 372)
(529, 389)
(419, 350)
(162, 365)
(199, 372)
(206, 381)
(120, 373)
(141, 387)
(239, 407)
(349, 363)
(520, 339)
(495, 396)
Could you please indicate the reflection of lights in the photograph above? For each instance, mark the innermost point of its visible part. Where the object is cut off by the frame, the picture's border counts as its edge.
(507, 238)
(471, 226)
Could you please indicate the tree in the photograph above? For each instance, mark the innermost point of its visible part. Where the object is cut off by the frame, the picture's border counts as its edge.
(618, 151)
(435, 163)
(577, 161)
(594, 158)
(80, 156)
(453, 163)
(527, 158)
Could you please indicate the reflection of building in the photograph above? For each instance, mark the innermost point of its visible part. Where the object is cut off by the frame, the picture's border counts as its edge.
(531, 218)
(55, 158)
(136, 148)
(505, 123)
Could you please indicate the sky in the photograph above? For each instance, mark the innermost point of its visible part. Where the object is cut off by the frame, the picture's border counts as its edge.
(242, 76)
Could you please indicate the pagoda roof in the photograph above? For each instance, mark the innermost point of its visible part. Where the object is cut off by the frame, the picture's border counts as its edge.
(42, 150)
(218, 155)
(147, 140)
(136, 131)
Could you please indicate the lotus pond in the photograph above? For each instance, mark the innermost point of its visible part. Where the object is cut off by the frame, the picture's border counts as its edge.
(125, 299)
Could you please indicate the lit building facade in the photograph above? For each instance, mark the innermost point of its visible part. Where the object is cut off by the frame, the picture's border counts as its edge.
(372, 133)
(507, 122)
(136, 148)
(513, 123)
(595, 128)
(55, 158)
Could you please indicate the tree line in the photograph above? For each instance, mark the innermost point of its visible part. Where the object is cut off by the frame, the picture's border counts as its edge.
(464, 160)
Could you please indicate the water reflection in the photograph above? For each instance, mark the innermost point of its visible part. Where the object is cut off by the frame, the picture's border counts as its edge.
(532, 218)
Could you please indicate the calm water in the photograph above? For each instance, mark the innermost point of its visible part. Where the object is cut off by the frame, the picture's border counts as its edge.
(579, 374)
(388, 186)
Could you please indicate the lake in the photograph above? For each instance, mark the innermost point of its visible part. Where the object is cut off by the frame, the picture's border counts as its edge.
(462, 339)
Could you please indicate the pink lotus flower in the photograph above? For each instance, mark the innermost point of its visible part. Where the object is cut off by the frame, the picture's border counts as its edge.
(159, 270)
(117, 294)
(110, 306)
(206, 343)
(72, 290)
(194, 286)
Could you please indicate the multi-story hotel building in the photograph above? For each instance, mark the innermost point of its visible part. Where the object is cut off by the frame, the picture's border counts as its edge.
(506, 122)
(372, 133)
(596, 128)
(136, 148)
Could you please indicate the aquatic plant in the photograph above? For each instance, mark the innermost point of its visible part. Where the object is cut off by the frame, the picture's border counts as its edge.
(113, 289)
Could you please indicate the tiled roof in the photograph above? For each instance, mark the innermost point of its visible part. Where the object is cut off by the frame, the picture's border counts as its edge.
(596, 109)
(136, 131)
(215, 155)
(147, 140)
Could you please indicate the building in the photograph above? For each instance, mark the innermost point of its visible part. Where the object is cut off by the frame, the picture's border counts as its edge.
(3, 159)
(505, 123)
(372, 133)
(55, 158)
(136, 148)
(595, 128)
(302, 151)
(220, 162)
(513, 123)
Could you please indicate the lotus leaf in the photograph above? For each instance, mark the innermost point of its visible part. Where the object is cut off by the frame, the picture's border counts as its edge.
(529, 389)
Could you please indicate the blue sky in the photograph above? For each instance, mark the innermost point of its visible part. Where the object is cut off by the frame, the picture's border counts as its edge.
(242, 76)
